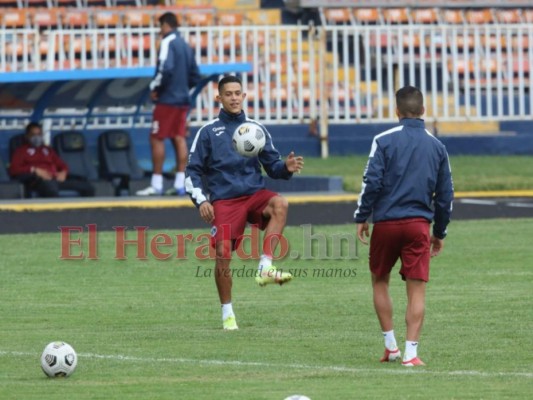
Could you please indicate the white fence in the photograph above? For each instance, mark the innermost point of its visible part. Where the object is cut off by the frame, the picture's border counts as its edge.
(344, 74)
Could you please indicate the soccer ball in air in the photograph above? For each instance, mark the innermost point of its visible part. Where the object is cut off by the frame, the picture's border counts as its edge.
(249, 139)
(58, 359)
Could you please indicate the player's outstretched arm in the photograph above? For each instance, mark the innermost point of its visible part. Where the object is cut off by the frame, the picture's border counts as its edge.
(294, 163)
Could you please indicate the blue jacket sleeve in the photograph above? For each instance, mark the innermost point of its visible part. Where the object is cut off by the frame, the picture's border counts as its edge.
(443, 198)
(372, 184)
(196, 169)
(271, 160)
(194, 71)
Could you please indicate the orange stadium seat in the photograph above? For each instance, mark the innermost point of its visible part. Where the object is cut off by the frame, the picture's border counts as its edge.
(508, 16)
(13, 18)
(73, 18)
(453, 17)
(195, 18)
(478, 17)
(106, 19)
(528, 15)
(424, 16)
(396, 15)
(133, 17)
(337, 16)
(44, 17)
(367, 15)
(228, 18)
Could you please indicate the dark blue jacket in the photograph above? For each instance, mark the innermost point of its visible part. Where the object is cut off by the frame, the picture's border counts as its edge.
(408, 175)
(216, 171)
(176, 72)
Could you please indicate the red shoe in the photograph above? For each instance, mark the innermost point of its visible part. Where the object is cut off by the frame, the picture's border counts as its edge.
(413, 362)
(390, 355)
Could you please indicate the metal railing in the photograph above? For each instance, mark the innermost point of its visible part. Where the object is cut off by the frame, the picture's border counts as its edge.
(344, 74)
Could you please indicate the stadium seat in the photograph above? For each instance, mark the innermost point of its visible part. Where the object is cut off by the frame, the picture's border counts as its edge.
(15, 142)
(367, 16)
(71, 148)
(118, 162)
(228, 18)
(528, 15)
(197, 19)
(508, 16)
(137, 18)
(478, 17)
(396, 16)
(424, 16)
(106, 19)
(73, 18)
(336, 16)
(13, 18)
(453, 17)
(9, 189)
(45, 18)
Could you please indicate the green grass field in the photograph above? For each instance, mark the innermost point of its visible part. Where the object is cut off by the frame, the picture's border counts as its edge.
(151, 329)
(469, 172)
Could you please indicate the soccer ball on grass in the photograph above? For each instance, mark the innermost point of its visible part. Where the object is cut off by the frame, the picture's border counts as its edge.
(58, 359)
(249, 139)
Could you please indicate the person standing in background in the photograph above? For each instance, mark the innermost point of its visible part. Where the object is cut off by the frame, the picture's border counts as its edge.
(176, 73)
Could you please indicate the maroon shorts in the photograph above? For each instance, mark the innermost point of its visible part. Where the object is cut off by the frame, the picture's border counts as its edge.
(232, 215)
(406, 239)
(169, 121)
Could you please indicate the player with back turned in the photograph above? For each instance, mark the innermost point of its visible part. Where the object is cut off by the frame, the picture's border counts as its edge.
(229, 191)
(406, 185)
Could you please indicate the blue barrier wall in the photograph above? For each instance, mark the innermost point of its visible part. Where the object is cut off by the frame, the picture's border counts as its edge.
(343, 140)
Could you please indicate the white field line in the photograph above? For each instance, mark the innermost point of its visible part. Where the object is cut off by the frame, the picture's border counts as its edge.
(524, 205)
(478, 201)
(323, 368)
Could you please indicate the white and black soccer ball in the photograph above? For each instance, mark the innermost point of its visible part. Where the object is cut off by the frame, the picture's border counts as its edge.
(58, 359)
(297, 397)
(249, 139)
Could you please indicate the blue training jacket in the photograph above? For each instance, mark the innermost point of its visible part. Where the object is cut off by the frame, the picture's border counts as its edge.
(216, 171)
(176, 72)
(407, 175)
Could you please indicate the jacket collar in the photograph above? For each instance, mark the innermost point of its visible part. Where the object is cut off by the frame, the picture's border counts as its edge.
(412, 122)
(227, 117)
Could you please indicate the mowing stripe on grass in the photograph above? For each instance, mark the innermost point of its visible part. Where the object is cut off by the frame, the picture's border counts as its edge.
(327, 368)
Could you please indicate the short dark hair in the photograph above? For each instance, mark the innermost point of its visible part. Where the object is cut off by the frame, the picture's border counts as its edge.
(32, 125)
(170, 19)
(228, 79)
(410, 102)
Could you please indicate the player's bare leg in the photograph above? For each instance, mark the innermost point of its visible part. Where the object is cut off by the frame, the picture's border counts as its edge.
(382, 301)
(158, 158)
(276, 212)
(224, 283)
(414, 318)
(181, 152)
(384, 311)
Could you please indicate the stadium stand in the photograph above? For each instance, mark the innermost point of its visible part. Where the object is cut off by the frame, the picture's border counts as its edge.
(474, 61)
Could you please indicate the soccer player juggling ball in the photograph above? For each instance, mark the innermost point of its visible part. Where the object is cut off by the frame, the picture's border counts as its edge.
(407, 184)
(229, 191)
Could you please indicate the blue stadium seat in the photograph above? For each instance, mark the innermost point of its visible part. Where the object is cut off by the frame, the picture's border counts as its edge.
(118, 162)
(71, 148)
(9, 189)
